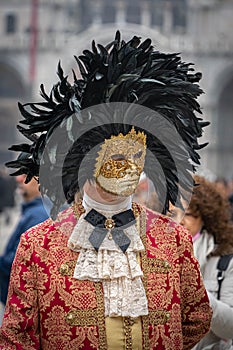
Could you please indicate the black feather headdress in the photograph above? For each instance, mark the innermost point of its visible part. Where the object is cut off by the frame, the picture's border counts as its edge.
(129, 76)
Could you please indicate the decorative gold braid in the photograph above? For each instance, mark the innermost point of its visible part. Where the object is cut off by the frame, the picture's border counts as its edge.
(157, 317)
(101, 316)
(158, 266)
(127, 322)
(78, 209)
(144, 262)
(82, 318)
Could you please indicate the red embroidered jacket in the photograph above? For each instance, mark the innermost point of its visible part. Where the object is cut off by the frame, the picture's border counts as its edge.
(48, 309)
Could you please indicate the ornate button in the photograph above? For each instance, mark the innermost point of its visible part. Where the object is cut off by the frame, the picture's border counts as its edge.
(166, 264)
(70, 316)
(109, 224)
(64, 269)
(131, 321)
(67, 268)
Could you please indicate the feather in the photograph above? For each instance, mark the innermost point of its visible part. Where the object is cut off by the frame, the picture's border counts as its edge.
(120, 71)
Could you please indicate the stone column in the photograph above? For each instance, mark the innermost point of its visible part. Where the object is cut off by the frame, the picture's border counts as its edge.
(145, 14)
(120, 12)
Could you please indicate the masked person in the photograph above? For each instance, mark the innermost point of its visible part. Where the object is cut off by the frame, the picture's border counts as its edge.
(107, 273)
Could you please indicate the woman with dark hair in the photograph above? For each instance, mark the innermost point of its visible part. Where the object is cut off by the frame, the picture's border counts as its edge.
(208, 220)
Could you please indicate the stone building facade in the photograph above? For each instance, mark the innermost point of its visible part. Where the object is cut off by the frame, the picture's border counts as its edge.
(35, 34)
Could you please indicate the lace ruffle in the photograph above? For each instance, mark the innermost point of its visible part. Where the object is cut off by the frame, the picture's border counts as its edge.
(124, 294)
(120, 273)
(106, 265)
(125, 297)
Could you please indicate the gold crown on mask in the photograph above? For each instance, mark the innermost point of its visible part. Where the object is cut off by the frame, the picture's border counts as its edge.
(119, 153)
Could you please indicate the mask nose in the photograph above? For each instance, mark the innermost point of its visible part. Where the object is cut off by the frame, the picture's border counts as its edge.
(133, 169)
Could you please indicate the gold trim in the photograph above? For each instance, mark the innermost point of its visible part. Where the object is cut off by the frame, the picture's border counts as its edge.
(78, 209)
(117, 169)
(144, 262)
(101, 316)
(136, 211)
(79, 317)
(127, 324)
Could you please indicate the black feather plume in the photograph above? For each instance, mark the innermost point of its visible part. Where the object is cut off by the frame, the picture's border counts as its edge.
(131, 72)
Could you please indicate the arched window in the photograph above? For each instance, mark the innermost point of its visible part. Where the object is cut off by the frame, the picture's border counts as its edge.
(10, 23)
(12, 89)
(224, 130)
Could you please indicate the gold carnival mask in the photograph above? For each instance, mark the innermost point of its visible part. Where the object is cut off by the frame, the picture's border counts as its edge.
(120, 163)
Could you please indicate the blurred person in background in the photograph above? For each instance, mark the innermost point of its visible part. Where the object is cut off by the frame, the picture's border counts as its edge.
(208, 220)
(32, 213)
(146, 195)
(7, 198)
(2, 191)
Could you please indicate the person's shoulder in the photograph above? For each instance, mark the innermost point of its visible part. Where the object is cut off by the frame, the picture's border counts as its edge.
(62, 225)
(39, 230)
(161, 219)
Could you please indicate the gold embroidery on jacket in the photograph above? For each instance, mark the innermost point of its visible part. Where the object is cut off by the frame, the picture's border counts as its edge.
(157, 317)
(44, 249)
(101, 316)
(145, 319)
(158, 265)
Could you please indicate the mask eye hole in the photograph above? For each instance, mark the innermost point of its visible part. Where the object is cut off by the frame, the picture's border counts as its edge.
(138, 154)
(118, 157)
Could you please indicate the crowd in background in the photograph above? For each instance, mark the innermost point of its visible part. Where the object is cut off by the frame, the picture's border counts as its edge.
(146, 195)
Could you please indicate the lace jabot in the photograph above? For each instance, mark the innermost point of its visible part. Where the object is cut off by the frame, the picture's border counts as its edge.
(120, 273)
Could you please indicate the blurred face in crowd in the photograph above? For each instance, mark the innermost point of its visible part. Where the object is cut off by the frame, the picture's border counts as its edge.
(28, 191)
(187, 219)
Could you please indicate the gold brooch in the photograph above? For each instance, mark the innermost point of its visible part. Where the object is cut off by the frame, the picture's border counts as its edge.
(109, 224)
